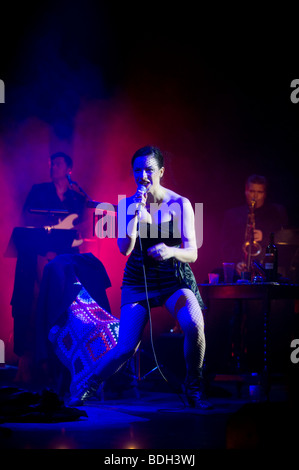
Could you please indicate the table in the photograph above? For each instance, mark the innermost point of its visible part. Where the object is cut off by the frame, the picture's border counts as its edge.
(257, 290)
(241, 291)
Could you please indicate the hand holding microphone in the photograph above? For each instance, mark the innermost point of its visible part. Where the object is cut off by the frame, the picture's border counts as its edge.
(140, 199)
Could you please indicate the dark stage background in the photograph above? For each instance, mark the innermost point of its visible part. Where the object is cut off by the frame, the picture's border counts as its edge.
(210, 88)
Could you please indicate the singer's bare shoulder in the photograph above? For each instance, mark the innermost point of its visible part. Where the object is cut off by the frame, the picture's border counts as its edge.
(171, 196)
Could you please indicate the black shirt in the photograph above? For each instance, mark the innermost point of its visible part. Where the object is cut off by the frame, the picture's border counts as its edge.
(44, 197)
(269, 218)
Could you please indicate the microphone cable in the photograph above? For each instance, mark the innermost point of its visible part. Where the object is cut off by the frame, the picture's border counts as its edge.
(150, 321)
(149, 311)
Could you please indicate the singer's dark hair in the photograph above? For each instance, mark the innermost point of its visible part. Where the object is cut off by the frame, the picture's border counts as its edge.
(149, 150)
(67, 159)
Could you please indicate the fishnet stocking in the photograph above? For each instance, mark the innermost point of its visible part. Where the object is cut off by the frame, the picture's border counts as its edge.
(184, 306)
(132, 322)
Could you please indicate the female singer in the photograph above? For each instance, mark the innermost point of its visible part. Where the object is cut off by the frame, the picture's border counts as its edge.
(158, 235)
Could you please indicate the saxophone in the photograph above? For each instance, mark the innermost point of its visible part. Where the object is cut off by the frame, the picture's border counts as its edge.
(251, 247)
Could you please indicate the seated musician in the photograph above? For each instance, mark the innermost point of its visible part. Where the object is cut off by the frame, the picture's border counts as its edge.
(56, 195)
(268, 216)
(263, 217)
(47, 204)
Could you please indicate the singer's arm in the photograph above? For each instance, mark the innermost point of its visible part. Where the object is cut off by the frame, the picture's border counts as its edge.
(188, 252)
(126, 241)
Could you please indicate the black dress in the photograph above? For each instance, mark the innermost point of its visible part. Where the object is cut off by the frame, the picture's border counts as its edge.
(163, 278)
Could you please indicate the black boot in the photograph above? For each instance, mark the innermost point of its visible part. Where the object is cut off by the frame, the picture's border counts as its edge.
(92, 386)
(195, 394)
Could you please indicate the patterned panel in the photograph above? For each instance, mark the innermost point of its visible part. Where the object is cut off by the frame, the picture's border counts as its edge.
(87, 335)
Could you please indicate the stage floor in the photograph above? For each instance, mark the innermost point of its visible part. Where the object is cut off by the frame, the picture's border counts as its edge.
(153, 421)
(149, 418)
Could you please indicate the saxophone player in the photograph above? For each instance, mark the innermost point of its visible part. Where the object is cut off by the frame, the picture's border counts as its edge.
(267, 217)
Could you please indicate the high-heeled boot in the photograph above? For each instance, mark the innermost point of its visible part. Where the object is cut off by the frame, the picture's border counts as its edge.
(195, 393)
(92, 386)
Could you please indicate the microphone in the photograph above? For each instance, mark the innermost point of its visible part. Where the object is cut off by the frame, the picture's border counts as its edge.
(141, 190)
(68, 176)
(81, 190)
